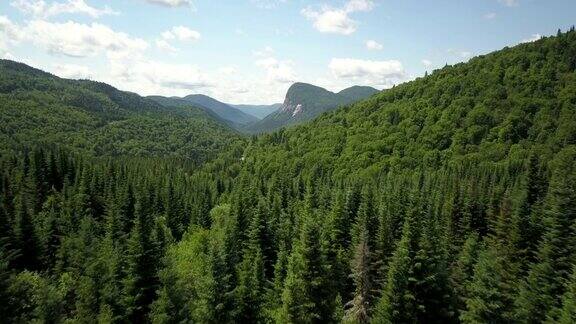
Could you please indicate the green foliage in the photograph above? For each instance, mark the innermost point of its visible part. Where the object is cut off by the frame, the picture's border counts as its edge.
(448, 199)
(39, 108)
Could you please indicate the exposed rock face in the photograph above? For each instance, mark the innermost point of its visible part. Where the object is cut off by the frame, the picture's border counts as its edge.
(305, 101)
(291, 108)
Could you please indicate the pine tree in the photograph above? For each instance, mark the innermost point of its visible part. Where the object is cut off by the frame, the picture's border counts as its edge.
(568, 311)
(25, 239)
(251, 273)
(431, 288)
(50, 235)
(491, 291)
(139, 280)
(358, 307)
(541, 291)
(306, 297)
(463, 269)
(397, 304)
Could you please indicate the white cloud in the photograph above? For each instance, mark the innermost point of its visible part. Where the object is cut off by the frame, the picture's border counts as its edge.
(227, 70)
(267, 4)
(531, 39)
(10, 30)
(149, 76)
(181, 33)
(336, 20)
(10, 34)
(71, 71)
(280, 71)
(165, 46)
(40, 9)
(358, 5)
(489, 16)
(81, 40)
(373, 45)
(377, 73)
(427, 63)
(171, 3)
(510, 3)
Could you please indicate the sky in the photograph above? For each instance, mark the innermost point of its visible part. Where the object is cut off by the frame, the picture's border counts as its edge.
(251, 51)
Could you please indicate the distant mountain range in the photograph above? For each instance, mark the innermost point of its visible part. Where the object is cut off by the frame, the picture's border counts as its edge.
(304, 102)
(258, 111)
(223, 112)
(41, 109)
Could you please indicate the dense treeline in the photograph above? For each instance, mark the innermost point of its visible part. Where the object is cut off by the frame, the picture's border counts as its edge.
(445, 200)
(37, 107)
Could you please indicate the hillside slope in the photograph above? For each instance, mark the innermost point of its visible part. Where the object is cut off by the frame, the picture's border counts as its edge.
(449, 199)
(492, 107)
(37, 107)
(304, 102)
(452, 197)
(234, 116)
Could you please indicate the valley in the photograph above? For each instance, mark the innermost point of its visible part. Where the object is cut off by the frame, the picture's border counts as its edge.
(448, 198)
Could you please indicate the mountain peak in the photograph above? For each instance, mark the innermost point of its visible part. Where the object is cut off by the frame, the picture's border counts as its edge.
(305, 101)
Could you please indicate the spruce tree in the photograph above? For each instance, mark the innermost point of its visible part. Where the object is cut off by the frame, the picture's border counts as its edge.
(358, 307)
(397, 304)
(541, 291)
(491, 291)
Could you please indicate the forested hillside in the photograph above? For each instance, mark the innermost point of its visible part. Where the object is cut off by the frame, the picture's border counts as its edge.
(304, 102)
(234, 116)
(448, 199)
(39, 108)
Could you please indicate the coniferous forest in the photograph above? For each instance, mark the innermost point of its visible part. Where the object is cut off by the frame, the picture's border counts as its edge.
(448, 199)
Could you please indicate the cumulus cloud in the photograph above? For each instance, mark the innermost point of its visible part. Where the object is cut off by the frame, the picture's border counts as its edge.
(40, 9)
(336, 20)
(82, 40)
(373, 45)
(171, 3)
(427, 63)
(10, 34)
(280, 71)
(71, 71)
(153, 75)
(165, 46)
(267, 4)
(10, 30)
(377, 73)
(531, 39)
(181, 33)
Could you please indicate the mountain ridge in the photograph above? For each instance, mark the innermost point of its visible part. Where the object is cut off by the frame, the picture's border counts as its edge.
(305, 101)
(40, 108)
(235, 116)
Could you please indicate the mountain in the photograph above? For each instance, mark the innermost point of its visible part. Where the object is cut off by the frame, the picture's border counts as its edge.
(447, 199)
(357, 93)
(258, 111)
(39, 108)
(183, 106)
(304, 102)
(234, 116)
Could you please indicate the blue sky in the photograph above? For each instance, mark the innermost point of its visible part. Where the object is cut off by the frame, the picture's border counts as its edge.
(250, 51)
